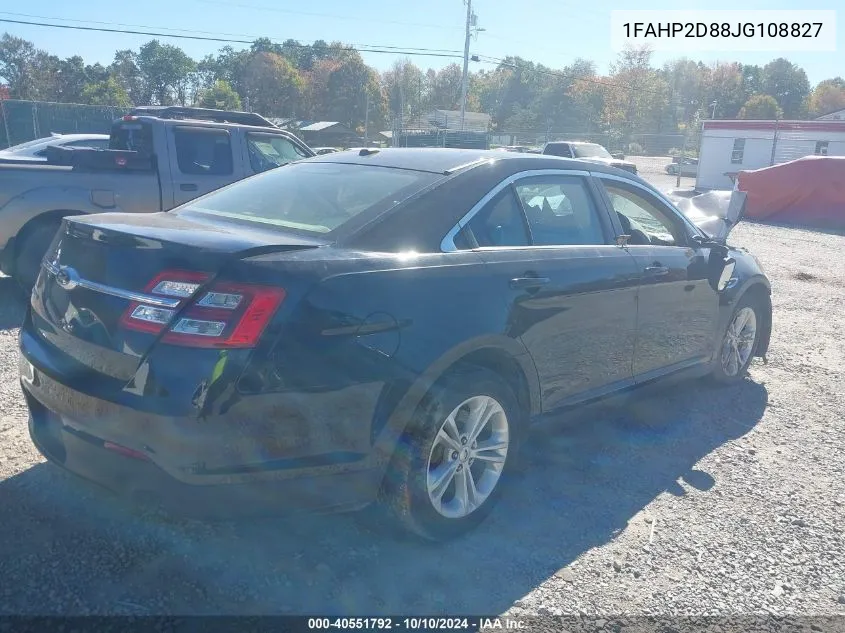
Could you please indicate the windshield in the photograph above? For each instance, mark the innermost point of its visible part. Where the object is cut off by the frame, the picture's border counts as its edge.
(591, 150)
(313, 197)
(267, 151)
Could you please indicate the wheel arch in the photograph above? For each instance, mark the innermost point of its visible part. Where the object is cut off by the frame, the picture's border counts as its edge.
(13, 248)
(761, 293)
(504, 356)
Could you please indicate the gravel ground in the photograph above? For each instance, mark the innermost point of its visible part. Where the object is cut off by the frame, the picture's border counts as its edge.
(695, 501)
(653, 169)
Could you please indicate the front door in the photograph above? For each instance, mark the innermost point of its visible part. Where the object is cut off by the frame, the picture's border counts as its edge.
(677, 307)
(570, 293)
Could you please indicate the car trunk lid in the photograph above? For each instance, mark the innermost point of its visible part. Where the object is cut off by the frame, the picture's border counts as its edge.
(102, 269)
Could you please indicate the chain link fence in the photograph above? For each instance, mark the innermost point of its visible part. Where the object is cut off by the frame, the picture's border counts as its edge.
(24, 121)
(442, 128)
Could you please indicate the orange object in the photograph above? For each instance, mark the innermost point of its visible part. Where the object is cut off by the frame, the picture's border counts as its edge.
(808, 192)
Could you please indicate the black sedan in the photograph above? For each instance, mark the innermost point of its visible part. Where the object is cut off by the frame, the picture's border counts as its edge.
(371, 324)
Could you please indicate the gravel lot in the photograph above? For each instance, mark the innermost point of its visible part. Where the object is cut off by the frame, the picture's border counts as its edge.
(696, 501)
(653, 169)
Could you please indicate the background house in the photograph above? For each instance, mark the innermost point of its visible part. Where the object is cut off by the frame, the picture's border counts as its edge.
(731, 146)
(328, 134)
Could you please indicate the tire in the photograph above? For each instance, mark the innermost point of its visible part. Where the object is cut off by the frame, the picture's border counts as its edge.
(732, 361)
(421, 454)
(31, 250)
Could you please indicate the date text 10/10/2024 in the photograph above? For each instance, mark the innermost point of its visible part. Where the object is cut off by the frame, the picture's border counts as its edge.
(417, 624)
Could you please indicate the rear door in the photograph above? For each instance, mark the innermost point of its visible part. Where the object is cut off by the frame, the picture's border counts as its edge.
(570, 292)
(202, 160)
(678, 308)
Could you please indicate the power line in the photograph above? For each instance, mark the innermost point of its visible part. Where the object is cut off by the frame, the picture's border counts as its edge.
(217, 33)
(326, 15)
(363, 49)
(383, 49)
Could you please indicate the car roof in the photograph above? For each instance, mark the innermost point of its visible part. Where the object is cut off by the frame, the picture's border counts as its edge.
(443, 161)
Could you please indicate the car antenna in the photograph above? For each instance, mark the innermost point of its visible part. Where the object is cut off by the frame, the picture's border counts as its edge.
(367, 151)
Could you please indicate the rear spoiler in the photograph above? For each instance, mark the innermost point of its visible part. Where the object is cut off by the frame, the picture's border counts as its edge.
(89, 159)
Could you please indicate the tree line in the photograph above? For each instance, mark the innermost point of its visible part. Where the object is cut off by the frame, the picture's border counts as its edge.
(330, 81)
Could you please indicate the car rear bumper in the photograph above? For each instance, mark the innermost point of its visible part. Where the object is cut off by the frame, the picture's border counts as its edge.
(109, 449)
(142, 482)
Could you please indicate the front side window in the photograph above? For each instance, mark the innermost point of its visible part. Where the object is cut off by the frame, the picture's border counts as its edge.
(642, 217)
(313, 197)
(203, 151)
(738, 152)
(560, 211)
(268, 151)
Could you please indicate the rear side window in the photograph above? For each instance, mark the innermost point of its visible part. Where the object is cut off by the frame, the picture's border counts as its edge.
(203, 151)
(314, 197)
(500, 223)
(558, 149)
(268, 151)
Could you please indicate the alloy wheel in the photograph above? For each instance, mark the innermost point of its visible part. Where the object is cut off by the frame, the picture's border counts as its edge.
(738, 344)
(467, 457)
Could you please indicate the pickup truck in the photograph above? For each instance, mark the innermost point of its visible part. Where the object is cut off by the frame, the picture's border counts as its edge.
(158, 158)
(592, 152)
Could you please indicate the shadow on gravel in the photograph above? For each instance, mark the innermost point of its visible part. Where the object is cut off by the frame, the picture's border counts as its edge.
(72, 549)
(12, 304)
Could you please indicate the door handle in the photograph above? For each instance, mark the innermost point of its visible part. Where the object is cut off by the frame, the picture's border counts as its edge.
(529, 282)
(656, 271)
(188, 186)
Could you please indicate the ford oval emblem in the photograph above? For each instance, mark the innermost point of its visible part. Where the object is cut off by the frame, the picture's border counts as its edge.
(67, 278)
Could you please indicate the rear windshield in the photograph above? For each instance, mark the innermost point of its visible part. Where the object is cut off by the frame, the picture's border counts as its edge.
(591, 150)
(132, 136)
(313, 197)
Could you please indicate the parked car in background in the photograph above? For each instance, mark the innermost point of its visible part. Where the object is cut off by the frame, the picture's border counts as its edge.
(381, 323)
(592, 152)
(521, 149)
(159, 158)
(687, 167)
(36, 151)
(319, 151)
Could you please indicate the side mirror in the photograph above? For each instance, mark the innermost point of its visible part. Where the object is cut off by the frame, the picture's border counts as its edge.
(727, 274)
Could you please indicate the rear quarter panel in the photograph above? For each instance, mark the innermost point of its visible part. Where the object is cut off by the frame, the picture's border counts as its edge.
(373, 338)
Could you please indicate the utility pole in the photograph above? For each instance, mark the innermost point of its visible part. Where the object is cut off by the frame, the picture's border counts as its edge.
(465, 79)
(774, 141)
(367, 121)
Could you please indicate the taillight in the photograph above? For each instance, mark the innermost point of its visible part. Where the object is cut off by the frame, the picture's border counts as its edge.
(225, 315)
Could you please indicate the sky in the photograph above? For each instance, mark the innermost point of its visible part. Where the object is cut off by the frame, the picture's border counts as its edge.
(551, 32)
